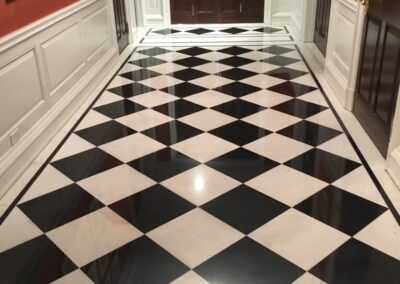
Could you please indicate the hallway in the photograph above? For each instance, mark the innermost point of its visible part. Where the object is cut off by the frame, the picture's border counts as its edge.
(213, 156)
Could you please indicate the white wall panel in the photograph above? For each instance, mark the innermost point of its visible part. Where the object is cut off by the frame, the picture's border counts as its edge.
(96, 31)
(20, 89)
(63, 55)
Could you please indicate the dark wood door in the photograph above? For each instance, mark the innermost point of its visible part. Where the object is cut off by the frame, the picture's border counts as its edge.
(217, 11)
(229, 11)
(379, 76)
(322, 24)
(121, 24)
(182, 11)
(252, 11)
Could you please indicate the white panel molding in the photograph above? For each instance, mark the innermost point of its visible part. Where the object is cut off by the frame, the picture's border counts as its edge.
(72, 51)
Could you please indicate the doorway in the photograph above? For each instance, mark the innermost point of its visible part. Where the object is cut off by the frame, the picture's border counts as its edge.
(216, 11)
(321, 30)
(379, 76)
(121, 24)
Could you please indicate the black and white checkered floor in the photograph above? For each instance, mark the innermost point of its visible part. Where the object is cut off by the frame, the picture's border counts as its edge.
(204, 165)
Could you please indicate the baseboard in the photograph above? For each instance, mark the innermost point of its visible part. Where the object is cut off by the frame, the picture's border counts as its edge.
(393, 168)
(17, 159)
(336, 81)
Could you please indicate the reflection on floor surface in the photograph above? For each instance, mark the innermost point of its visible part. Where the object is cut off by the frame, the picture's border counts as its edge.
(204, 164)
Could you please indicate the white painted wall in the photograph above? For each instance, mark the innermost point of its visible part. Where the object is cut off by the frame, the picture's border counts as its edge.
(46, 66)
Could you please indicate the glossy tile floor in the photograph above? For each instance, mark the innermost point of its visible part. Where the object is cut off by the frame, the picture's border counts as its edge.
(204, 165)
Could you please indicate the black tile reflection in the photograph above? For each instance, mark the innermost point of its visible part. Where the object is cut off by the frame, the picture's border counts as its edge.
(240, 132)
(237, 89)
(179, 108)
(151, 208)
(242, 164)
(119, 108)
(244, 208)
(148, 62)
(292, 89)
(268, 30)
(140, 261)
(340, 209)
(191, 61)
(235, 61)
(233, 31)
(356, 262)
(235, 50)
(188, 74)
(86, 164)
(154, 51)
(163, 164)
(280, 60)
(236, 74)
(200, 31)
(248, 262)
(300, 108)
(194, 51)
(130, 90)
(184, 89)
(238, 108)
(322, 165)
(139, 75)
(309, 133)
(36, 261)
(285, 73)
(105, 132)
(275, 49)
(172, 132)
(59, 207)
(166, 31)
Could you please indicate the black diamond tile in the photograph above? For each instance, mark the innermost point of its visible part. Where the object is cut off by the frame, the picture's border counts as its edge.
(163, 164)
(285, 73)
(322, 165)
(140, 261)
(309, 133)
(105, 132)
(172, 132)
(238, 108)
(268, 30)
(179, 108)
(236, 74)
(59, 207)
(166, 31)
(148, 62)
(191, 61)
(240, 132)
(292, 89)
(248, 262)
(275, 49)
(194, 51)
(356, 262)
(280, 60)
(200, 31)
(299, 108)
(119, 108)
(235, 50)
(184, 89)
(86, 164)
(131, 90)
(188, 74)
(154, 51)
(36, 261)
(244, 208)
(242, 164)
(235, 61)
(233, 31)
(141, 74)
(237, 89)
(151, 208)
(340, 209)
